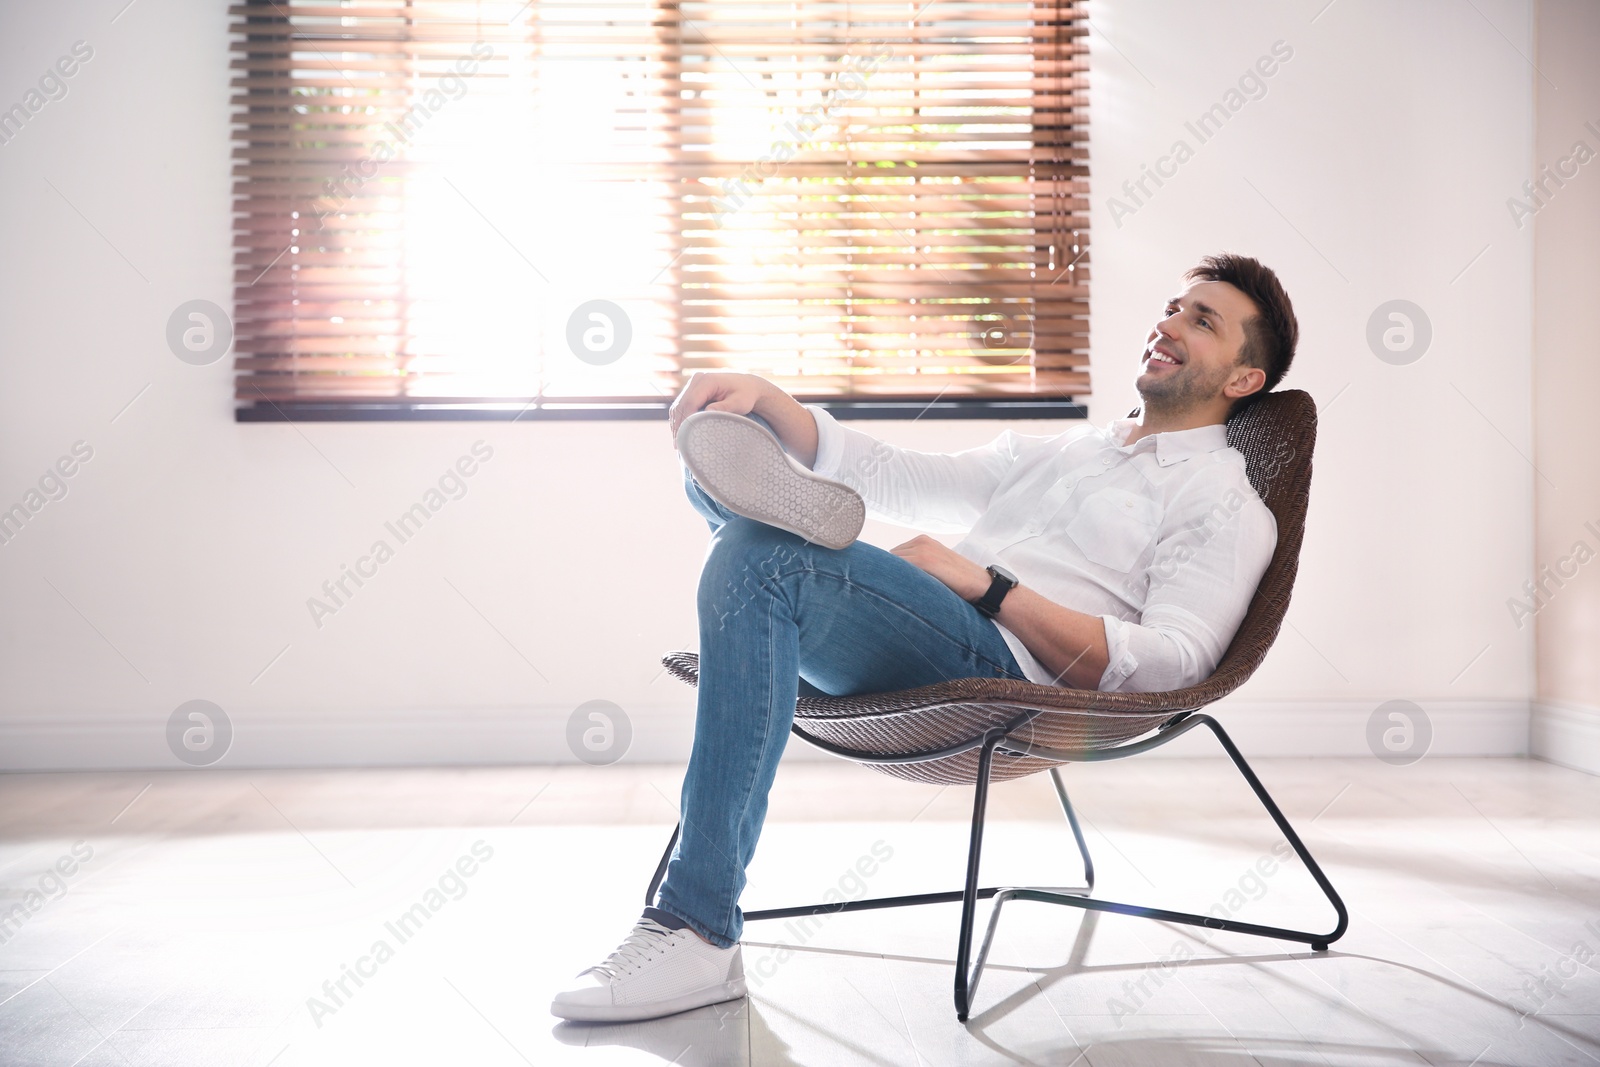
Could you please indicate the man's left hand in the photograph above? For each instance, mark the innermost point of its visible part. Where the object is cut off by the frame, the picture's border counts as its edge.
(969, 580)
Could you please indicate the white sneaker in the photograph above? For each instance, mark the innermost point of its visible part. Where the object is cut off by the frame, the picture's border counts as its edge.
(745, 469)
(654, 972)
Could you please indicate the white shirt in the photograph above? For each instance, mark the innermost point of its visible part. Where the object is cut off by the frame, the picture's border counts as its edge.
(1165, 540)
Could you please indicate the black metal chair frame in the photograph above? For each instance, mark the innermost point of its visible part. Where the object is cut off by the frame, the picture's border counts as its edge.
(1001, 740)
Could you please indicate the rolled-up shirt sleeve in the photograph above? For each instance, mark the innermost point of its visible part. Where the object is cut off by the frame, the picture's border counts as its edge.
(941, 492)
(1202, 579)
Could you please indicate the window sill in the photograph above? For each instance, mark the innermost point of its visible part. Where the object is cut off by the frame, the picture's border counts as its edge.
(559, 410)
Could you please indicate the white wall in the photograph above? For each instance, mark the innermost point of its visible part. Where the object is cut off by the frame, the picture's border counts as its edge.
(1376, 167)
(1566, 378)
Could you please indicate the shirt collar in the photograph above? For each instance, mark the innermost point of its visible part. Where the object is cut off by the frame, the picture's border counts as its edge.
(1172, 446)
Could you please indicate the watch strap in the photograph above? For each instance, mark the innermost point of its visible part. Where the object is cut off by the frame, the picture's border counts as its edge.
(999, 586)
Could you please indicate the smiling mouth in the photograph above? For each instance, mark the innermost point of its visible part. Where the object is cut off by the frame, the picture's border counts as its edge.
(1158, 357)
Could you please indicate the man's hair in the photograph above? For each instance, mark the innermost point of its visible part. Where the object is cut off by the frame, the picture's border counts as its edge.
(1271, 335)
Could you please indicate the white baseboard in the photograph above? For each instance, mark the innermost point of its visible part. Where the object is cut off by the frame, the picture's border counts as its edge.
(1340, 728)
(452, 737)
(663, 734)
(1566, 733)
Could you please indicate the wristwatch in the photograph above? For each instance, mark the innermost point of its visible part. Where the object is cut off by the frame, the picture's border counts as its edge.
(1003, 582)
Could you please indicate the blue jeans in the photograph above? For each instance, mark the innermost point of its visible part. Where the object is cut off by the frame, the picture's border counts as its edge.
(779, 618)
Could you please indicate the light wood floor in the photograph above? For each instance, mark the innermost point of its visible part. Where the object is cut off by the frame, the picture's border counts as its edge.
(209, 918)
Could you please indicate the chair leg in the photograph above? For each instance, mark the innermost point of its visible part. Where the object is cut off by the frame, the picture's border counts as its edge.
(966, 987)
(967, 981)
(661, 868)
(1319, 942)
(1077, 831)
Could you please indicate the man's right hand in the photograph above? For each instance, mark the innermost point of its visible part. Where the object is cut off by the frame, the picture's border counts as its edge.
(745, 394)
(718, 391)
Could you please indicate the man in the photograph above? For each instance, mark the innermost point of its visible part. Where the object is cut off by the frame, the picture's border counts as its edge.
(1115, 558)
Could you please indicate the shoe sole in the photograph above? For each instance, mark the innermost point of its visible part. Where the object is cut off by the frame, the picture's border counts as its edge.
(628, 1013)
(745, 469)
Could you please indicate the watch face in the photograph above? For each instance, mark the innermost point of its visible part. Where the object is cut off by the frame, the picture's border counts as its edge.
(1003, 573)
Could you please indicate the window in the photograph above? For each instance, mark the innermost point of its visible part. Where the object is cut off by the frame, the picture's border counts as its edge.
(470, 209)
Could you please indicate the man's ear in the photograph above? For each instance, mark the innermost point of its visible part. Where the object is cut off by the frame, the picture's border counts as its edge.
(1245, 381)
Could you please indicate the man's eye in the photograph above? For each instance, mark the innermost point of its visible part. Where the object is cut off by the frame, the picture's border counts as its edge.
(1206, 323)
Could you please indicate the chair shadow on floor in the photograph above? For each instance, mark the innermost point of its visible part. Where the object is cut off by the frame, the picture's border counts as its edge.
(1270, 1050)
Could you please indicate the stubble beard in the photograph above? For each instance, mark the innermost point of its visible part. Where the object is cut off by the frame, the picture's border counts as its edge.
(1178, 391)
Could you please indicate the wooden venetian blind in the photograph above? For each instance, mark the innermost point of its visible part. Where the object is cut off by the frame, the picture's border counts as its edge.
(855, 200)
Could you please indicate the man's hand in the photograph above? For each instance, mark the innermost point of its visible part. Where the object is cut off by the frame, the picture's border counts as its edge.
(748, 394)
(969, 580)
(1069, 644)
(717, 391)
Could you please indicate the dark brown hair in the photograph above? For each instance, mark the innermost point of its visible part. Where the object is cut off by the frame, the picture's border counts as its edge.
(1271, 335)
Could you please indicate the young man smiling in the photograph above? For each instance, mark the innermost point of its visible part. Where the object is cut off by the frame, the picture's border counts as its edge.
(1094, 559)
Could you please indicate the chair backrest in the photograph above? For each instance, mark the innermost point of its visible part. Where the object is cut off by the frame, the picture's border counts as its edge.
(1277, 435)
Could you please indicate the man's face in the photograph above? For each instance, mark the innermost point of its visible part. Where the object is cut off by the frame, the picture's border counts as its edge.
(1201, 330)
